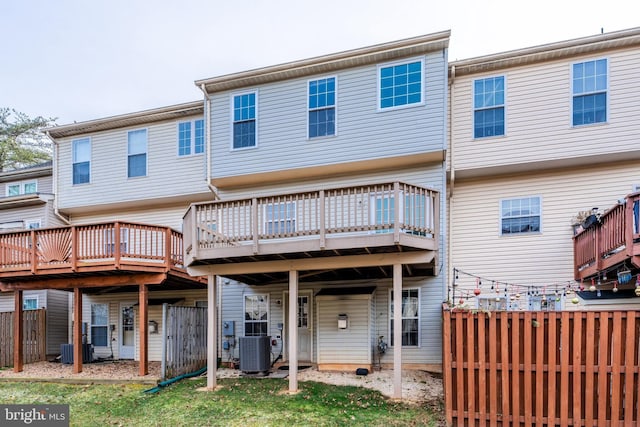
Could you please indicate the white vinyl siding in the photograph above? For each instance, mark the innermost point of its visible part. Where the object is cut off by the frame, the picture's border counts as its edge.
(110, 188)
(364, 132)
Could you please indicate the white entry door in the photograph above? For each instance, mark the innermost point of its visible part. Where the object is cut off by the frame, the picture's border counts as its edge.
(305, 321)
(127, 331)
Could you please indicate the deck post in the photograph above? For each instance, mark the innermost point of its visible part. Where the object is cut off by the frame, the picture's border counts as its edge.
(397, 331)
(18, 333)
(77, 330)
(212, 333)
(143, 298)
(293, 331)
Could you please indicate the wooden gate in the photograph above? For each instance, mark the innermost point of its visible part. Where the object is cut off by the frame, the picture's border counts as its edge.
(541, 368)
(184, 341)
(34, 330)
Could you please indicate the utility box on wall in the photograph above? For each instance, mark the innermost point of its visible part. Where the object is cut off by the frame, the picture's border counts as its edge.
(228, 328)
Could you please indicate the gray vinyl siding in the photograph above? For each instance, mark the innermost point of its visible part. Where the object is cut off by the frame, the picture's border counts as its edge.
(168, 175)
(363, 132)
(167, 216)
(57, 319)
(154, 313)
(28, 213)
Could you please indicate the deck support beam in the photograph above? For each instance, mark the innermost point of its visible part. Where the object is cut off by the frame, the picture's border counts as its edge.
(18, 334)
(143, 300)
(212, 333)
(77, 330)
(397, 331)
(293, 331)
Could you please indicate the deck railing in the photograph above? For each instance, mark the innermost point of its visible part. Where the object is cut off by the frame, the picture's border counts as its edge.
(610, 240)
(320, 214)
(79, 246)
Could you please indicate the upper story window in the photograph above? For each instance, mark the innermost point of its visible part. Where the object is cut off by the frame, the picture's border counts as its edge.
(244, 120)
(190, 137)
(256, 315)
(488, 107)
(81, 160)
(22, 187)
(137, 153)
(410, 317)
(322, 107)
(400, 84)
(590, 84)
(520, 215)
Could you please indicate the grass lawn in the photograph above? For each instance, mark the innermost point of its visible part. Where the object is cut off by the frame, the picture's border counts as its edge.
(239, 402)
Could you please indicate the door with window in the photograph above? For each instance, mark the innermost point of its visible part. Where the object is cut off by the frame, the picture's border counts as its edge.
(127, 331)
(304, 322)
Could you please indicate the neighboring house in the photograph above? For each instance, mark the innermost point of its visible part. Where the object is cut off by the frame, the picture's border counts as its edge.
(539, 135)
(26, 203)
(331, 178)
(123, 184)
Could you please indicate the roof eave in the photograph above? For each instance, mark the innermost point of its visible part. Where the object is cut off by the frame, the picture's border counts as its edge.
(329, 63)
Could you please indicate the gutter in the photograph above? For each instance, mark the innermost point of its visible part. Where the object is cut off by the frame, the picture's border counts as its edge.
(207, 138)
(56, 211)
(452, 173)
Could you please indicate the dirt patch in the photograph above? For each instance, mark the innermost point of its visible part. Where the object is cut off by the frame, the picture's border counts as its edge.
(110, 370)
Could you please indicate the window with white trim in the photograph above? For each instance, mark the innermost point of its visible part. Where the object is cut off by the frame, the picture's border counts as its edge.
(137, 153)
(191, 137)
(280, 218)
(400, 84)
(81, 161)
(30, 303)
(498, 303)
(21, 187)
(545, 302)
(99, 325)
(590, 86)
(488, 107)
(110, 241)
(410, 317)
(32, 224)
(520, 215)
(322, 107)
(256, 315)
(415, 210)
(244, 120)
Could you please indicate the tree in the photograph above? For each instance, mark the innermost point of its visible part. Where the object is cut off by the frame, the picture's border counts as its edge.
(22, 142)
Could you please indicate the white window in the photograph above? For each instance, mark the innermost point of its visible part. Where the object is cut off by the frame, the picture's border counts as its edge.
(137, 153)
(400, 84)
(22, 187)
(545, 302)
(410, 317)
(256, 315)
(322, 107)
(590, 87)
(521, 215)
(190, 137)
(110, 241)
(30, 303)
(32, 224)
(415, 213)
(280, 218)
(99, 325)
(244, 113)
(81, 161)
(498, 303)
(202, 303)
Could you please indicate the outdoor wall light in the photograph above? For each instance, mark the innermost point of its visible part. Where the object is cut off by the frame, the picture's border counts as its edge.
(343, 319)
(153, 327)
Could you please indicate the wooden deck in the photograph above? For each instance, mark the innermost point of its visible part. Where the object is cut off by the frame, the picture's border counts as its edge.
(338, 222)
(111, 252)
(612, 244)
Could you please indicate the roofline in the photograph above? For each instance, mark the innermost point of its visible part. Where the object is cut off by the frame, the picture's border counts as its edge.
(129, 119)
(546, 52)
(35, 171)
(329, 63)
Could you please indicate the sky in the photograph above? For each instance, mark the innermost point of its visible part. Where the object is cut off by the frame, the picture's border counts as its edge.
(78, 60)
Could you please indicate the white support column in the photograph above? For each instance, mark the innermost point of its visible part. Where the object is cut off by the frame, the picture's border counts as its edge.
(293, 331)
(212, 333)
(397, 331)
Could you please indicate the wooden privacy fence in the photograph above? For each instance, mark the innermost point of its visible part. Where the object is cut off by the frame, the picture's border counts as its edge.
(34, 330)
(184, 340)
(541, 368)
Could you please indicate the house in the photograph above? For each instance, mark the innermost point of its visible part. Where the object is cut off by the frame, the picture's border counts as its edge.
(26, 203)
(122, 184)
(325, 230)
(538, 136)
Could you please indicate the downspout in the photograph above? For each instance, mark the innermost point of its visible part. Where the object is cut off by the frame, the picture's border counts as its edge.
(452, 170)
(207, 138)
(56, 211)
